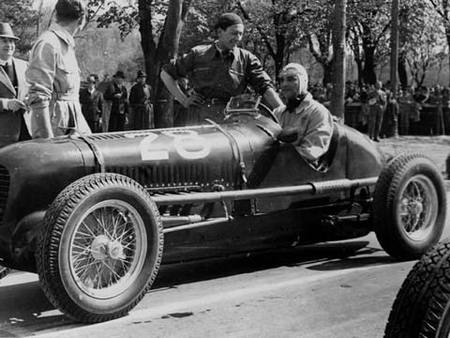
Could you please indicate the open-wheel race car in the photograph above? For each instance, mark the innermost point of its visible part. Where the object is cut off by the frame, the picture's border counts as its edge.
(96, 215)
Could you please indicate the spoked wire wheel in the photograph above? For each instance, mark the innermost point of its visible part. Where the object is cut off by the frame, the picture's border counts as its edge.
(108, 249)
(418, 207)
(409, 206)
(100, 247)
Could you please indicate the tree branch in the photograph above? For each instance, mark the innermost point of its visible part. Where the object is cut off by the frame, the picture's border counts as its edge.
(264, 36)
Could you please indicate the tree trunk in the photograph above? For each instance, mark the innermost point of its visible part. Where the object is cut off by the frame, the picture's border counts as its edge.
(339, 24)
(167, 49)
(369, 74)
(447, 35)
(157, 55)
(327, 72)
(402, 73)
(394, 47)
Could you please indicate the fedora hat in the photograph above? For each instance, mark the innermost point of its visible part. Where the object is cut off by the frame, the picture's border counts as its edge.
(6, 31)
(119, 74)
(140, 73)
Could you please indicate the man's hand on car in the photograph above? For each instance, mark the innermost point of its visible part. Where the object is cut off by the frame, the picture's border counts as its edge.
(288, 135)
(194, 99)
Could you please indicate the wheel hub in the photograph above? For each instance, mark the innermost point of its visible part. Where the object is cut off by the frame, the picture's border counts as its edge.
(115, 250)
(416, 207)
(102, 248)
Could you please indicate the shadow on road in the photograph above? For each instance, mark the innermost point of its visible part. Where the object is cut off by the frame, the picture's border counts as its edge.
(328, 256)
(24, 308)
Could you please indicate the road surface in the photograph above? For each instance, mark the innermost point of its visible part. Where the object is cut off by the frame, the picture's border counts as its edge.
(340, 289)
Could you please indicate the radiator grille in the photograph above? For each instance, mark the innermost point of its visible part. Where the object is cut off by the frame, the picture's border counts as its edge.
(4, 189)
(187, 176)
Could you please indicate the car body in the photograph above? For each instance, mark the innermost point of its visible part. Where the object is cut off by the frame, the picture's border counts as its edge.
(127, 201)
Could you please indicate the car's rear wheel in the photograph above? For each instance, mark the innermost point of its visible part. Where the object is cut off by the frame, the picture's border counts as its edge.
(422, 305)
(409, 206)
(100, 247)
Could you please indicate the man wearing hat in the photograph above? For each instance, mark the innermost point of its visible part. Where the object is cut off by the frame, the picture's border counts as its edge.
(117, 94)
(141, 110)
(216, 72)
(91, 100)
(13, 89)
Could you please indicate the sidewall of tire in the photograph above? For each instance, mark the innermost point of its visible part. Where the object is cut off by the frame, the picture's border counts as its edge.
(128, 296)
(391, 235)
(54, 242)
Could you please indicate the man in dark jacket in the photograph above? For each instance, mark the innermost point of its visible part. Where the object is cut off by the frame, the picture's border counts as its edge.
(216, 72)
(13, 89)
(118, 95)
(91, 101)
(141, 110)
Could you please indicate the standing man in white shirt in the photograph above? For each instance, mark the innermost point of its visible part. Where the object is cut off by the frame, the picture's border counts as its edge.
(54, 76)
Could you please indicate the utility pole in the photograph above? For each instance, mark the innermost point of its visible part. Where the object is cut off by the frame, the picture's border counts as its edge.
(338, 74)
(394, 46)
(394, 58)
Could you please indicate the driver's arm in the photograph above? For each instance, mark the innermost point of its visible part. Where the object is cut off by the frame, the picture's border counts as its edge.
(261, 81)
(272, 98)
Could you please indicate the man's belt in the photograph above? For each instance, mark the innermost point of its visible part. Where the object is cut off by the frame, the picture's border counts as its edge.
(64, 96)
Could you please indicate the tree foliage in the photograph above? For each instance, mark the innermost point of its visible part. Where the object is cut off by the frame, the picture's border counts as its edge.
(24, 20)
(442, 8)
(423, 53)
(369, 23)
(160, 24)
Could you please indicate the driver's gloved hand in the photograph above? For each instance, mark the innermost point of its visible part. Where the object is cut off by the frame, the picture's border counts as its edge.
(288, 135)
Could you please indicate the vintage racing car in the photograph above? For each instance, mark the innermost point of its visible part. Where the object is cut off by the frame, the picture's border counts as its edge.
(96, 215)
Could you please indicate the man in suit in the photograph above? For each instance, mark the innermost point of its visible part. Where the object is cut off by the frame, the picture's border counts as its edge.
(91, 100)
(13, 89)
(141, 110)
(117, 94)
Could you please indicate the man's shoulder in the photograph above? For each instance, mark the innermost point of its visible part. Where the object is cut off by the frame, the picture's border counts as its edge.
(314, 104)
(203, 48)
(20, 61)
(48, 39)
(244, 53)
(48, 36)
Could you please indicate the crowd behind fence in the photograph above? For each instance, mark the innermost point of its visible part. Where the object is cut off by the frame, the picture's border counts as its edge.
(421, 111)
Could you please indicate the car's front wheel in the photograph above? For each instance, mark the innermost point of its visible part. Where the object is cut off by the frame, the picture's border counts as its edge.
(409, 206)
(100, 247)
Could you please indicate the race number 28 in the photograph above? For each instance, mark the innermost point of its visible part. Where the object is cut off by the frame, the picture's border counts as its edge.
(189, 144)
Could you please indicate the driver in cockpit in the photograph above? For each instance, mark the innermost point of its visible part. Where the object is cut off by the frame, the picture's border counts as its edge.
(306, 123)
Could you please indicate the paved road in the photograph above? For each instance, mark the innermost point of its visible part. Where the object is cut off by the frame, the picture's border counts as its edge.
(330, 290)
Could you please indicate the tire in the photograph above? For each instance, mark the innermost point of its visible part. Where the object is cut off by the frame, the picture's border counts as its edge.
(100, 248)
(409, 206)
(422, 305)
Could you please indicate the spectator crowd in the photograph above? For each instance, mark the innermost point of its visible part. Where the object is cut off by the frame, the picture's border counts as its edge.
(373, 109)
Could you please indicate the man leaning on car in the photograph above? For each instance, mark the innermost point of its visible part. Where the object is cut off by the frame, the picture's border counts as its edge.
(306, 123)
(217, 72)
